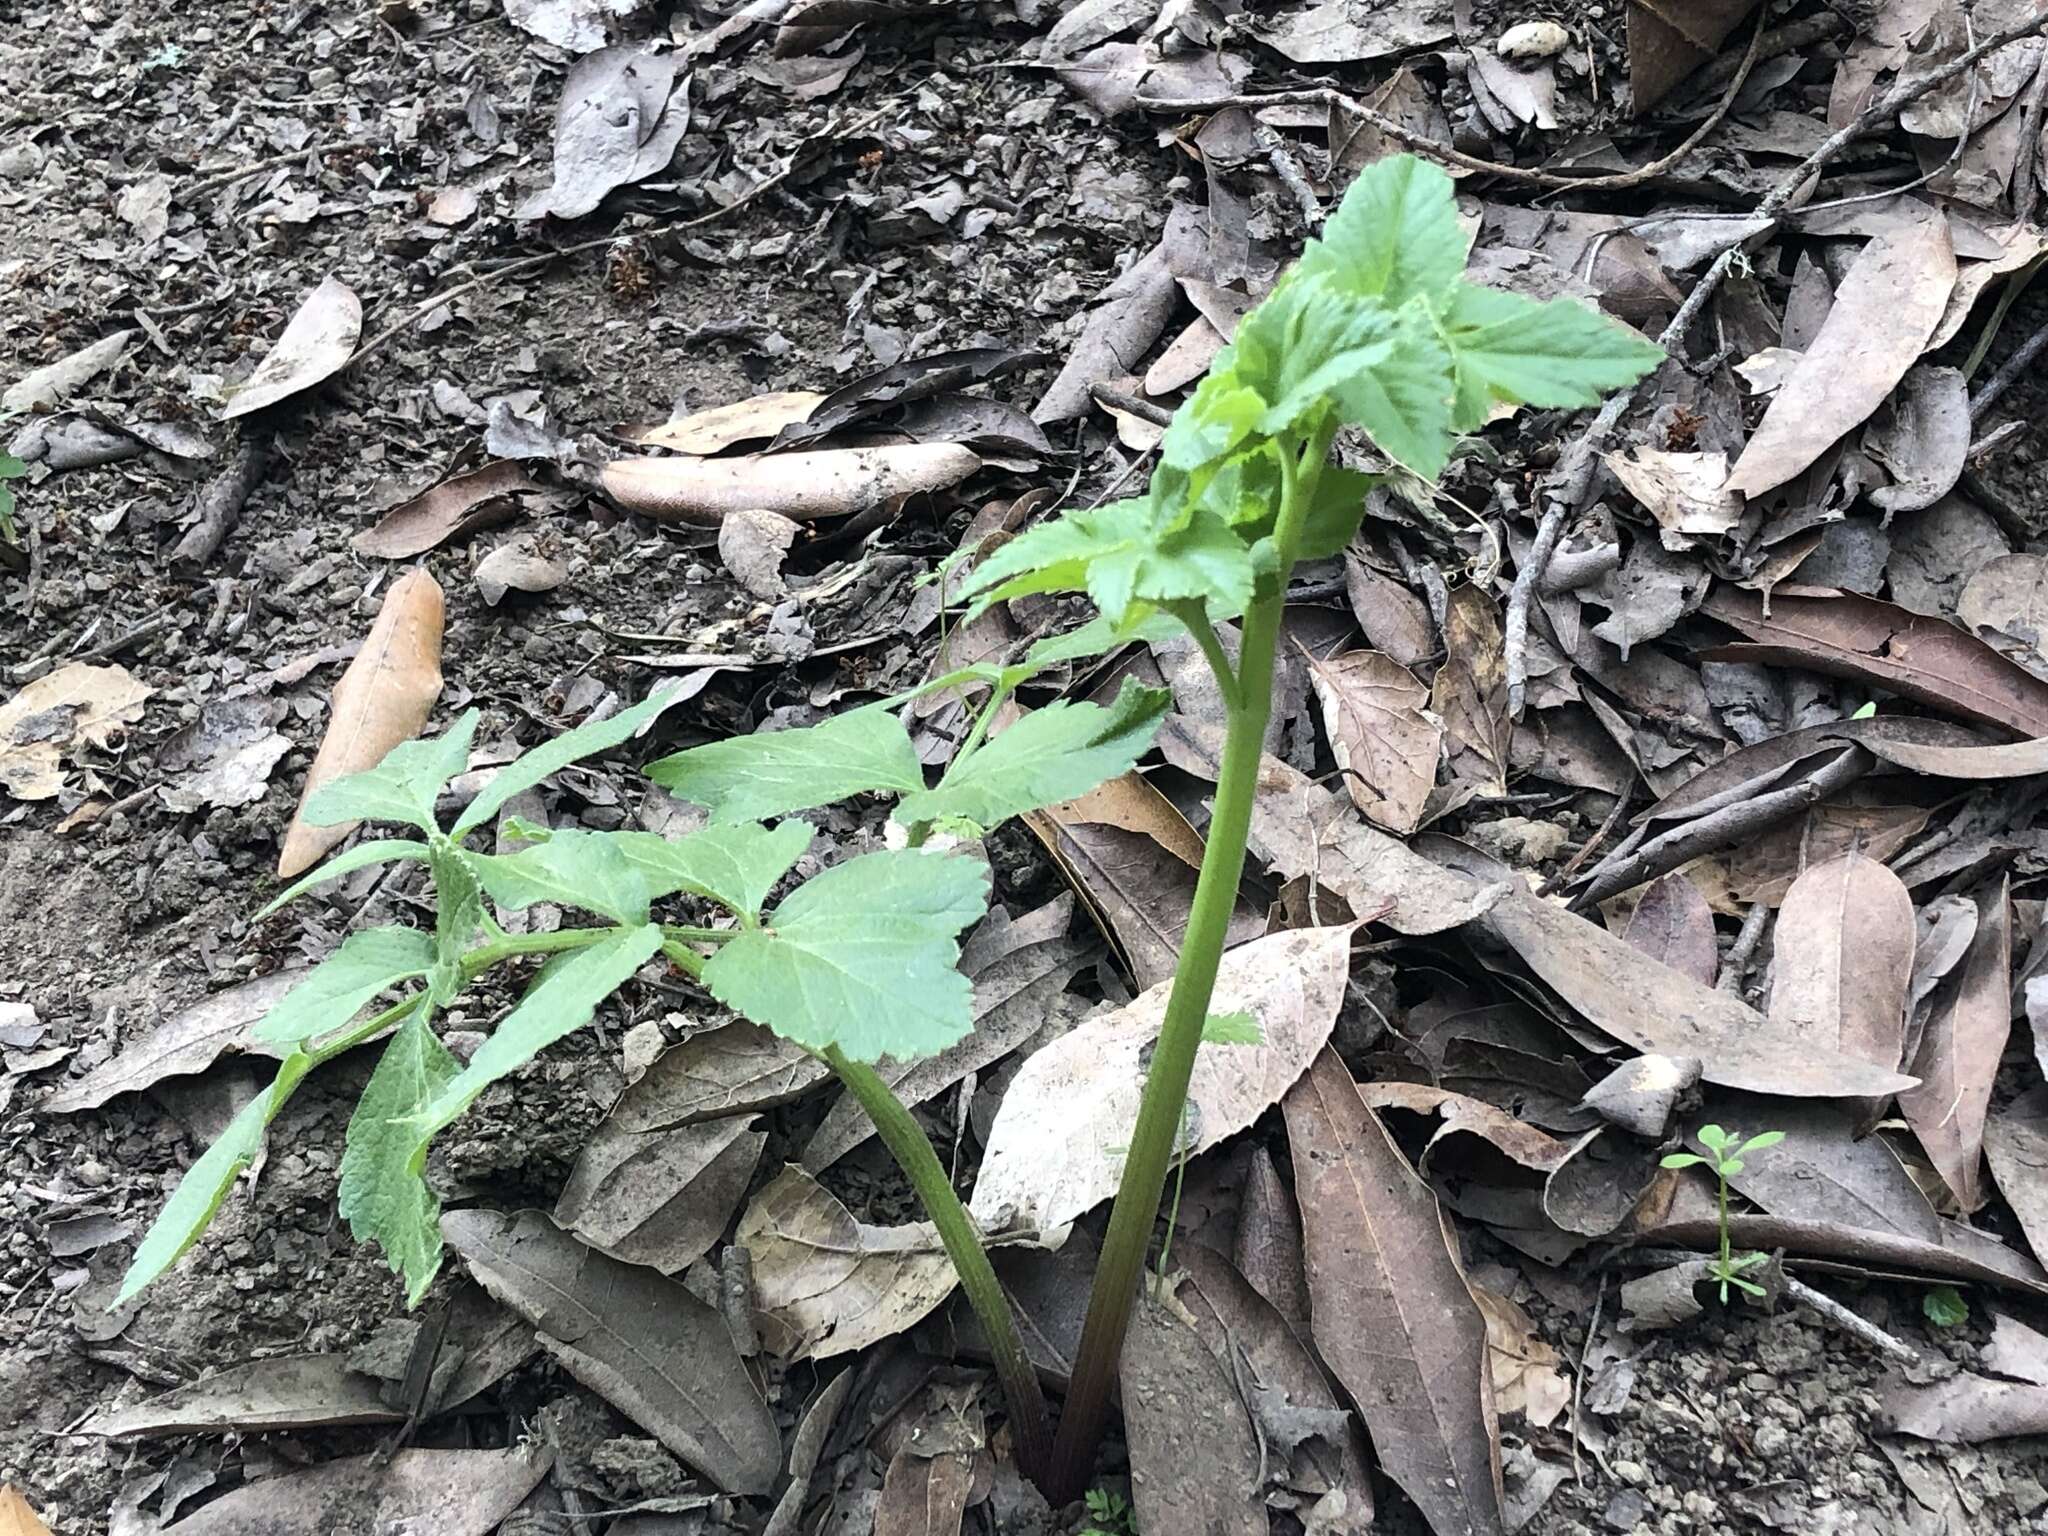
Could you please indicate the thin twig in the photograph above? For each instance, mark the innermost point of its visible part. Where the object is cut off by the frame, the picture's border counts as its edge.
(1574, 474)
(1850, 1322)
(432, 302)
(1613, 819)
(258, 167)
(2009, 372)
(1579, 1381)
(1735, 969)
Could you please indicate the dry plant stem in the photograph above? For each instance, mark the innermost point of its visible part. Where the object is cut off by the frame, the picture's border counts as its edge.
(1826, 1305)
(1735, 969)
(2010, 372)
(1575, 470)
(912, 1149)
(221, 503)
(1131, 1218)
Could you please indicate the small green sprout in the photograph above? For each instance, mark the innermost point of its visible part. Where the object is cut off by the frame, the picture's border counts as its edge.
(1109, 1514)
(1726, 1150)
(11, 468)
(1944, 1307)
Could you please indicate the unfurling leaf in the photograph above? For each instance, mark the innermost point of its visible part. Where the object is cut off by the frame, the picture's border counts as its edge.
(735, 866)
(560, 1001)
(772, 773)
(1051, 755)
(402, 787)
(207, 1182)
(587, 740)
(862, 958)
(337, 988)
(591, 870)
(382, 1196)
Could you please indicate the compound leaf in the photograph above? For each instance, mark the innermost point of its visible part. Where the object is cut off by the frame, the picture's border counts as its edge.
(207, 1182)
(575, 868)
(362, 856)
(1395, 236)
(382, 1196)
(587, 740)
(337, 988)
(1556, 353)
(1049, 756)
(735, 866)
(1232, 1029)
(403, 787)
(1142, 624)
(862, 957)
(772, 773)
(561, 1000)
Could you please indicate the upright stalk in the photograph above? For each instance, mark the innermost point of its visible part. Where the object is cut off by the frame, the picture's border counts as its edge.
(1250, 704)
(912, 1149)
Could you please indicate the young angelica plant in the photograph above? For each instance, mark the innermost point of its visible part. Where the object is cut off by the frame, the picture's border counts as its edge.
(1374, 330)
(1725, 1152)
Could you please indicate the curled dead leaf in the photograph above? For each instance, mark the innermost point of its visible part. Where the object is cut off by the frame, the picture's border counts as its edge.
(75, 706)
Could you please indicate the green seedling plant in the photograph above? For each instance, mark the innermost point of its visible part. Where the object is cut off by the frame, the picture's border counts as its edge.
(11, 468)
(1375, 329)
(1725, 1152)
(1109, 1514)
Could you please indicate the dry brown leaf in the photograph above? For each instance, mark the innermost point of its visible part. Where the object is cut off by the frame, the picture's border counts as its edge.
(459, 505)
(752, 544)
(75, 706)
(924, 1495)
(1128, 317)
(1470, 692)
(1186, 358)
(1686, 492)
(1526, 1375)
(1884, 313)
(1968, 1409)
(282, 1392)
(1884, 645)
(1961, 1253)
(1842, 959)
(317, 342)
(17, 1516)
(1194, 1457)
(1822, 1171)
(2006, 602)
(1670, 40)
(1384, 743)
(1922, 438)
(528, 562)
(1392, 1313)
(1764, 868)
(659, 1198)
(1672, 924)
(1057, 1147)
(734, 1069)
(2016, 1147)
(830, 482)
(1959, 1054)
(383, 699)
(645, 1344)
(723, 426)
(451, 1493)
(826, 1284)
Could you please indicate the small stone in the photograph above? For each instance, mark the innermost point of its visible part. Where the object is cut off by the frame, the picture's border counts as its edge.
(1625, 1510)
(1632, 1473)
(1532, 40)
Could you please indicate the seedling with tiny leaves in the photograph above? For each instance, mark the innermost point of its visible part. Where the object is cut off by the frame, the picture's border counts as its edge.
(11, 468)
(1725, 1151)
(1376, 330)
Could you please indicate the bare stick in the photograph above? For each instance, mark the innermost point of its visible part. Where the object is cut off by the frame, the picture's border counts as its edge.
(258, 167)
(221, 503)
(1736, 967)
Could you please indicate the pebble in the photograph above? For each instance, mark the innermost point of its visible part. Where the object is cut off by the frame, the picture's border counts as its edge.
(1532, 40)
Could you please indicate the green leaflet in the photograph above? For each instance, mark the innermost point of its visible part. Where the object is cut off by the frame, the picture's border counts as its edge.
(578, 869)
(1232, 1029)
(336, 989)
(587, 740)
(379, 851)
(382, 1197)
(735, 866)
(1051, 755)
(1559, 353)
(772, 773)
(1142, 624)
(862, 957)
(207, 1182)
(458, 914)
(403, 787)
(1395, 236)
(560, 1001)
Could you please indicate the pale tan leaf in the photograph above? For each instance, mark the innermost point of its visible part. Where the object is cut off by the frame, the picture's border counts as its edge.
(451, 1493)
(459, 505)
(17, 1516)
(1527, 1378)
(1686, 492)
(1959, 1054)
(722, 426)
(1058, 1143)
(825, 1283)
(75, 706)
(317, 341)
(383, 699)
(1384, 743)
(1842, 959)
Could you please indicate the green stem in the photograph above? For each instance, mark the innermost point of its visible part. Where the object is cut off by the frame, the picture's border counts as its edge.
(978, 732)
(912, 1149)
(1195, 619)
(1136, 1210)
(484, 956)
(682, 933)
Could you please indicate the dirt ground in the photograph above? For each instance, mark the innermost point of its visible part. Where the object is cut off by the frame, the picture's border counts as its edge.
(110, 927)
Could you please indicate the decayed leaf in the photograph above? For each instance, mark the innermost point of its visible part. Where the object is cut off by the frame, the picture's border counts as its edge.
(1267, 1245)
(1967, 1410)
(317, 341)
(17, 1516)
(1674, 926)
(50, 384)
(923, 1495)
(756, 419)
(2016, 1146)
(1392, 1314)
(732, 1070)
(75, 706)
(826, 1284)
(644, 1344)
(621, 116)
(1686, 492)
(1962, 1253)
(659, 1198)
(1386, 746)
(1470, 692)
(1129, 316)
(753, 543)
(459, 505)
(1670, 40)
(1821, 1171)
(383, 699)
(1843, 958)
(1878, 643)
(577, 25)
(1959, 1053)
(1194, 1459)
(284, 1392)
(2006, 601)
(1885, 311)
(2016, 1351)
(831, 482)
(524, 563)
(1058, 1143)
(1526, 1375)
(1922, 436)
(451, 1493)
